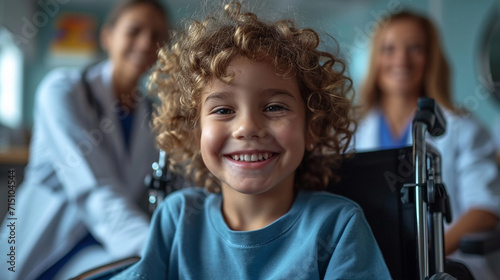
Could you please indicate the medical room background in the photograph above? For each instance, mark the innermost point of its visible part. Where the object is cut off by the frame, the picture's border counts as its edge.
(39, 35)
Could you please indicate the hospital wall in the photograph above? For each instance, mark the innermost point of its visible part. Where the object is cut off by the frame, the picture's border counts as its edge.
(461, 24)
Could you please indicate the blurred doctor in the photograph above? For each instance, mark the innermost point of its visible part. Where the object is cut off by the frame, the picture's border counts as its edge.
(407, 63)
(80, 204)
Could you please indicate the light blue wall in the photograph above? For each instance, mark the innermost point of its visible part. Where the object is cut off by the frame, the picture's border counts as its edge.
(462, 29)
(460, 23)
(32, 24)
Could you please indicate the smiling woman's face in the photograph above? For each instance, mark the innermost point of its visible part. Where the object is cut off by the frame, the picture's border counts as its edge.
(402, 58)
(133, 41)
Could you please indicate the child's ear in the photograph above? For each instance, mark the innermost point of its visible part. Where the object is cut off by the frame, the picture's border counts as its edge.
(309, 146)
(310, 143)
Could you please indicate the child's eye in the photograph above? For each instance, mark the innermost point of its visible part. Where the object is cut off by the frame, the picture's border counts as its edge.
(273, 108)
(223, 111)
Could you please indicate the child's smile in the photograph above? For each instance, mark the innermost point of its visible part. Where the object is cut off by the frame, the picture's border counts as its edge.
(252, 157)
(253, 129)
(252, 160)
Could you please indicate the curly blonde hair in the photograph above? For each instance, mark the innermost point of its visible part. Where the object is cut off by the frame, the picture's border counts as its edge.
(203, 51)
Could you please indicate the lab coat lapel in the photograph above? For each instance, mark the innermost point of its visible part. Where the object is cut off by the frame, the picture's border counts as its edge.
(114, 138)
(366, 135)
(141, 141)
(142, 135)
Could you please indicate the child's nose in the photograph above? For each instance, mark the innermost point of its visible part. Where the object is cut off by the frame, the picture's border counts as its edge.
(249, 127)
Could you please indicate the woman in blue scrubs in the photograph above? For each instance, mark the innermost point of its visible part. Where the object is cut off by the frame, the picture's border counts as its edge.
(406, 63)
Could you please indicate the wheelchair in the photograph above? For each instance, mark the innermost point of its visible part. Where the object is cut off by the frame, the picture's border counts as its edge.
(405, 202)
(403, 198)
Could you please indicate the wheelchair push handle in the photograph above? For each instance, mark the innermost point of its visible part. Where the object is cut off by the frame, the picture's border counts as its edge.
(428, 119)
(162, 181)
(429, 113)
(156, 182)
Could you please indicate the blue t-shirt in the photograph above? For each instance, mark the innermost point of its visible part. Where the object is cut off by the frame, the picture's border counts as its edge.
(323, 236)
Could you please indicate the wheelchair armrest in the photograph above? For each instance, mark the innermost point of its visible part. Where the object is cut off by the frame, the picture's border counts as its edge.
(481, 243)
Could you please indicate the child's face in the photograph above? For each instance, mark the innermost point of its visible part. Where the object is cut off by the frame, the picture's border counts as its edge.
(253, 130)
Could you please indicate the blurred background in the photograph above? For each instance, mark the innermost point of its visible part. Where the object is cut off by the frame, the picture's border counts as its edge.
(38, 35)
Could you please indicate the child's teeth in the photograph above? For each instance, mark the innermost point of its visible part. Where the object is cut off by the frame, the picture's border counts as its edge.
(252, 157)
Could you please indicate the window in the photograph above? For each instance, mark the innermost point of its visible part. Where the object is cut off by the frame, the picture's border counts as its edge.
(11, 62)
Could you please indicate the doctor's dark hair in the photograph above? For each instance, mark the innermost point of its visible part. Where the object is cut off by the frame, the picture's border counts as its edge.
(124, 5)
(203, 51)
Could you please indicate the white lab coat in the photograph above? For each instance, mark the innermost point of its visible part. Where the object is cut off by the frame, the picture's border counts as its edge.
(80, 177)
(470, 172)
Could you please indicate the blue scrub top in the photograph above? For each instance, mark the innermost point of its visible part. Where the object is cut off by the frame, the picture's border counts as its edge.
(127, 121)
(389, 141)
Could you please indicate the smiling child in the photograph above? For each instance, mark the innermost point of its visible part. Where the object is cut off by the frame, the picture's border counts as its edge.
(257, 115)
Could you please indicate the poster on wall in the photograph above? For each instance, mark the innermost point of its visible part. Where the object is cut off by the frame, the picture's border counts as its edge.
(75, 40)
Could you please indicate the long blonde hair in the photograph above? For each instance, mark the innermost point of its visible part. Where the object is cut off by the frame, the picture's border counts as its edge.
(437, 74)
